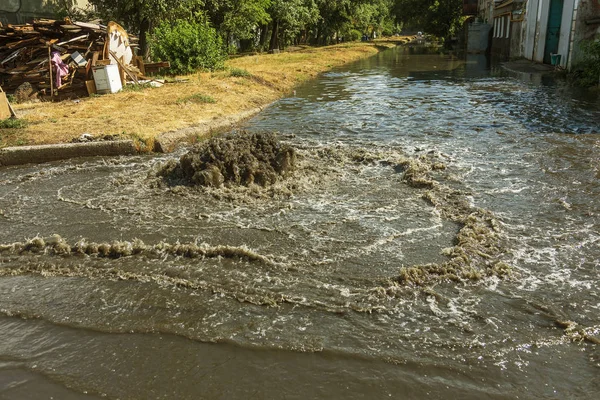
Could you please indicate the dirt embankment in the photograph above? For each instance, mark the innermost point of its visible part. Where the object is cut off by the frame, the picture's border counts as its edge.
(247, 85)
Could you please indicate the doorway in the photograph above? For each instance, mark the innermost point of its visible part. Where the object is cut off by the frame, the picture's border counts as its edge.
(553, 31)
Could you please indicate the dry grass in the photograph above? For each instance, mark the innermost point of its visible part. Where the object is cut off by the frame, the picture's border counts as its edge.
(144, 114)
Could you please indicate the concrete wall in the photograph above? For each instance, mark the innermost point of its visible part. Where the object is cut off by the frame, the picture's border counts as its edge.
(509, 26)
(11, 6)
(23, 11)
(516, 39)
(54, 152)
(486, 10)
(478, 38)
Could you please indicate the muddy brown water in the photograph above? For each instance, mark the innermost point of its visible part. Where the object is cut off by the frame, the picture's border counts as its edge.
(292, 291)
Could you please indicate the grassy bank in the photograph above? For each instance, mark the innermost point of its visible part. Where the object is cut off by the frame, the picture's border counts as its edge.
(246, 83)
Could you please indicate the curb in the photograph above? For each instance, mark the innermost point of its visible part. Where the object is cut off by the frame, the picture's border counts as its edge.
(528, 69)
(168, 141)
(54, 152)
(164, 143)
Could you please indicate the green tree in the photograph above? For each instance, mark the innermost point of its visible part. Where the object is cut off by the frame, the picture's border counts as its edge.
(238, 19)
(372, 16)
(242, 19)
(438, 17)
(335, 14)
(252, 21)
(290, 18)
(140, 16)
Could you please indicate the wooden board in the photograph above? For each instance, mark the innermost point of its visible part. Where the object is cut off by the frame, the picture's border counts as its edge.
(91, 87)
(4, 109)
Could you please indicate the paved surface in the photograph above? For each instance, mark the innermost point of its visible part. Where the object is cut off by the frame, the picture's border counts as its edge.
(528, 67)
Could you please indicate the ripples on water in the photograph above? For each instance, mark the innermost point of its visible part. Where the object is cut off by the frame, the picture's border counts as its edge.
(529, 153)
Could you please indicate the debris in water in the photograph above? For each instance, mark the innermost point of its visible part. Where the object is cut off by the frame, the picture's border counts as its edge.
(57, 246)
(237, 159)
(577, 333)
(477, 250)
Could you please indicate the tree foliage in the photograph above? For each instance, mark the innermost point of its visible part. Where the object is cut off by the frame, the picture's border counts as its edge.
(273, 24)
(141, 16)
(238, 18)
(291, 18)
(188, 45)
(438, 17)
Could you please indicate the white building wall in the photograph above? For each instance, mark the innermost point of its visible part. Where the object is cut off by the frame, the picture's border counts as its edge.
(531, 28)
(566, 26)
(535, 29)
(544, 13)
(572, 44)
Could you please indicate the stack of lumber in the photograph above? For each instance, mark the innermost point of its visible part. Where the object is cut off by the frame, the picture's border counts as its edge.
(26, 52)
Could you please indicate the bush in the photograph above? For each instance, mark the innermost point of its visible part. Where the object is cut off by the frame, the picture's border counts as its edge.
(353, 36)
(232, 49)
(239, 73)
(587, 72)
(188, 46)
(138, 87)
(13, 123)
(349, 34)
(197, 98)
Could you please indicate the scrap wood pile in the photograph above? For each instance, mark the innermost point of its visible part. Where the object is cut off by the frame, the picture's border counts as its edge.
(58, 57)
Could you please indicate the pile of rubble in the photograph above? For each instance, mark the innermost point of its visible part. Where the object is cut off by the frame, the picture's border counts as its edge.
(60, 58)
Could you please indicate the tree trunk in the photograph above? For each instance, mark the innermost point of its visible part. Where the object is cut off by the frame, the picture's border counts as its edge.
(317, 38)
(264, 30)
(144, 29)
(275, 36)
(229, 40)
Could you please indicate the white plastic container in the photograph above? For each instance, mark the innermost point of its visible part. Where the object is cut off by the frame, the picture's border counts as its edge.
(107, 79)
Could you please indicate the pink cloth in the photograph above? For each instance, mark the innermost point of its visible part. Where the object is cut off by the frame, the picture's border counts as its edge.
(61, 68)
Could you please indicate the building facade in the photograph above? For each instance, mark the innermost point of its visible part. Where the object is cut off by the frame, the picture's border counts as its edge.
(507, 31)
(486, 10)
(551, 26)
(587, 27)
(545, 31)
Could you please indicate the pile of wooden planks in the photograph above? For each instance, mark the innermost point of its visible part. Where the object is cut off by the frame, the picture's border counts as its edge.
(28, 54)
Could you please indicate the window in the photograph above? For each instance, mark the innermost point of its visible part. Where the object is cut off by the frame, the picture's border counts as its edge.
(502, 27)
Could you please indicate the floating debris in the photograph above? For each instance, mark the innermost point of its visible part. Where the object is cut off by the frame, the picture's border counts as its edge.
(57, 246)
(477, 252)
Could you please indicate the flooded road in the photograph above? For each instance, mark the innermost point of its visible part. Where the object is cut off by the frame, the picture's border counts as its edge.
(440, 238)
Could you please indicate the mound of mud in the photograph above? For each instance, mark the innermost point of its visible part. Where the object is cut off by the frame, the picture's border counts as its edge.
(240, 159)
